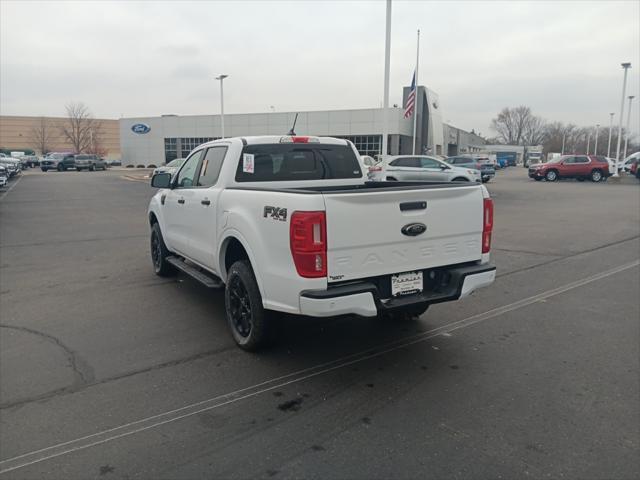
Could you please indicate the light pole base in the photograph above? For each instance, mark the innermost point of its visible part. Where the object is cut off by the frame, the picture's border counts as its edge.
(615, 178)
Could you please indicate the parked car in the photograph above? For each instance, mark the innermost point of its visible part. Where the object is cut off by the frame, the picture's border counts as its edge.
(271, 219)
(89, 162)
(407, 168)
(171, 167)
(581, 167)
(29, 161)
(11, 165)
(4, 176)
(481, 163)
(58, 161)
(368, 161)
(625, 165)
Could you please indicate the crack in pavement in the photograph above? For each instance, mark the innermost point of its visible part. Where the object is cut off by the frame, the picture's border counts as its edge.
(79, 387)
(82, 371)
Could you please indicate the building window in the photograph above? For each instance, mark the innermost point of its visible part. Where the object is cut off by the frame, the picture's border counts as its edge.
(366, 144)
(188, 144)
(170, 149)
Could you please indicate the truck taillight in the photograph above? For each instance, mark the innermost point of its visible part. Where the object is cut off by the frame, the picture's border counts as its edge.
(487, 225)
(308, 240)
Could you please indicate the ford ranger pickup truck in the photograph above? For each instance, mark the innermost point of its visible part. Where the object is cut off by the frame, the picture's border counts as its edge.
(290, 224)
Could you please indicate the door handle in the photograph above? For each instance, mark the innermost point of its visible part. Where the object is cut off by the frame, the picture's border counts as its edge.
(181, 200)
(205, 202)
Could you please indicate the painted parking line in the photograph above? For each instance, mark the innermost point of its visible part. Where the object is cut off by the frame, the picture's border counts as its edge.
(158, 420)
(5, 193)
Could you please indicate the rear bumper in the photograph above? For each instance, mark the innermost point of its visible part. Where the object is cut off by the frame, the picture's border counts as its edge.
(363, 298)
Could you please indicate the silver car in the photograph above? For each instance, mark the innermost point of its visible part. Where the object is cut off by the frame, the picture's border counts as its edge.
(171, 167)
(408, 168)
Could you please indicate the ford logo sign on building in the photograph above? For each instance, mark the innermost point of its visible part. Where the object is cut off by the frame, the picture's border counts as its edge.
(140, 128)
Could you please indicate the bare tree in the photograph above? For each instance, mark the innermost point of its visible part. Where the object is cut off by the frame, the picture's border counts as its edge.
(40, 136)
(511, 124)
(81, 130)
(534, 131)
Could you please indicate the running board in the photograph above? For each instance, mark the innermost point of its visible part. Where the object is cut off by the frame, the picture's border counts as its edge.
(207, 280)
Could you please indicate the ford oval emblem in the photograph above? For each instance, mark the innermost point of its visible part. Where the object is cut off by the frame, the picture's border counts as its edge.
(140, 128)
(414, 229)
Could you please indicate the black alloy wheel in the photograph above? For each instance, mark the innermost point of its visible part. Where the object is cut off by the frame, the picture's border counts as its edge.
(249, 322)
(240, 307)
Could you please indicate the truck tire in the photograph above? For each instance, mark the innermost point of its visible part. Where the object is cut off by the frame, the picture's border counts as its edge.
(44, 169)
(551, 176)
(248, 321)
(60, 167)
(93, 168)
(596, 175)
(159, 254)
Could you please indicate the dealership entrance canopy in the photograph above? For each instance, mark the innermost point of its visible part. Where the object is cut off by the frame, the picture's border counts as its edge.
(157, 140)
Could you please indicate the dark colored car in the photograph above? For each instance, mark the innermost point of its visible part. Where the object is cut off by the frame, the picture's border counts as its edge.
(484, 164)
(58, 161)
(580, 167)
(89, 162)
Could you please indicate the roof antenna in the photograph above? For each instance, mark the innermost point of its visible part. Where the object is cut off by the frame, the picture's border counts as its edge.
(292, 131)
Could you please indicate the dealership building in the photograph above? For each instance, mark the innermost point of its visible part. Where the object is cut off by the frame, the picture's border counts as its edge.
(156, 140)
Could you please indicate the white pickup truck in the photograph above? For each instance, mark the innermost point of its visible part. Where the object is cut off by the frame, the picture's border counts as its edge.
(290, 224)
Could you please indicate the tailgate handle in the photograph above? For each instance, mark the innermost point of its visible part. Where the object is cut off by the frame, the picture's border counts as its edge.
(412, 206)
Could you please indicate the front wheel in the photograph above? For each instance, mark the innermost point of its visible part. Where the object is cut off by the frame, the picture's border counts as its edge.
(60, 168)
(460, 179)
(93, 168)
(596, 176)
(248, 320)
(551, 176)
(159, 254)
(44, 169)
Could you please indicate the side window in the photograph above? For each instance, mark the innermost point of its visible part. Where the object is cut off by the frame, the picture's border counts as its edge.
(211, 165)
(569, 160)
(408, 162)
(582, 159)
(429, 163)
(188, 171)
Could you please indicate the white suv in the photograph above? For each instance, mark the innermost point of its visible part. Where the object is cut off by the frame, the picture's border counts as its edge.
(405, 168)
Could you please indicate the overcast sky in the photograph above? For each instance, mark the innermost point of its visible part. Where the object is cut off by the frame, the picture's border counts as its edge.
(149, 58)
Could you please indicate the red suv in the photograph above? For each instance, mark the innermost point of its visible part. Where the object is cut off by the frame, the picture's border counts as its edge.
(580, 167)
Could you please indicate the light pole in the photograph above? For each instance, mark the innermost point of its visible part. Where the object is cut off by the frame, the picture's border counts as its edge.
(221, 78)
(595, 150)
(588, 142)
(626, 136)
(610, 127)
(626, 67)
(564, 134)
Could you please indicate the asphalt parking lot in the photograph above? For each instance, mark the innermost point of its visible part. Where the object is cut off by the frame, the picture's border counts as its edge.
(107, 371)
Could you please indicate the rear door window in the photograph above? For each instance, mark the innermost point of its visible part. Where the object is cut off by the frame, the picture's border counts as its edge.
(295, 161)
(211, 165)
(406, 162)
(429, 163)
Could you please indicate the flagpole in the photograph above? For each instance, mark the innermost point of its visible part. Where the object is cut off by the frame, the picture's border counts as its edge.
(387, 62)
(415, 100)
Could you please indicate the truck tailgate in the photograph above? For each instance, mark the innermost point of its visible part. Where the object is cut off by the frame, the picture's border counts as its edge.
(365, 238)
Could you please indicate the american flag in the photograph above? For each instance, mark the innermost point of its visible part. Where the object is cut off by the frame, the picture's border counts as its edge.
(411, 99)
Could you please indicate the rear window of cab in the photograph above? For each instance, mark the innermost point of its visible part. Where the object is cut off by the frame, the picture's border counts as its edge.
(283, 162)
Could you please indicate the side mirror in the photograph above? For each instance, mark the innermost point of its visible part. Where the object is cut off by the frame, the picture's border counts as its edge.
(443, 167)
(161, 180)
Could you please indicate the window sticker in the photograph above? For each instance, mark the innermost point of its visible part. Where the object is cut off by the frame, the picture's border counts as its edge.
(247, 163)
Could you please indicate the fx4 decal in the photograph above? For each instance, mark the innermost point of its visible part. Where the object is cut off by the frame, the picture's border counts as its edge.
(276, 213)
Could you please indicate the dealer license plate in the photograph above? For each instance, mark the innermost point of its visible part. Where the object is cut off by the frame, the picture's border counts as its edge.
(406, 283)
